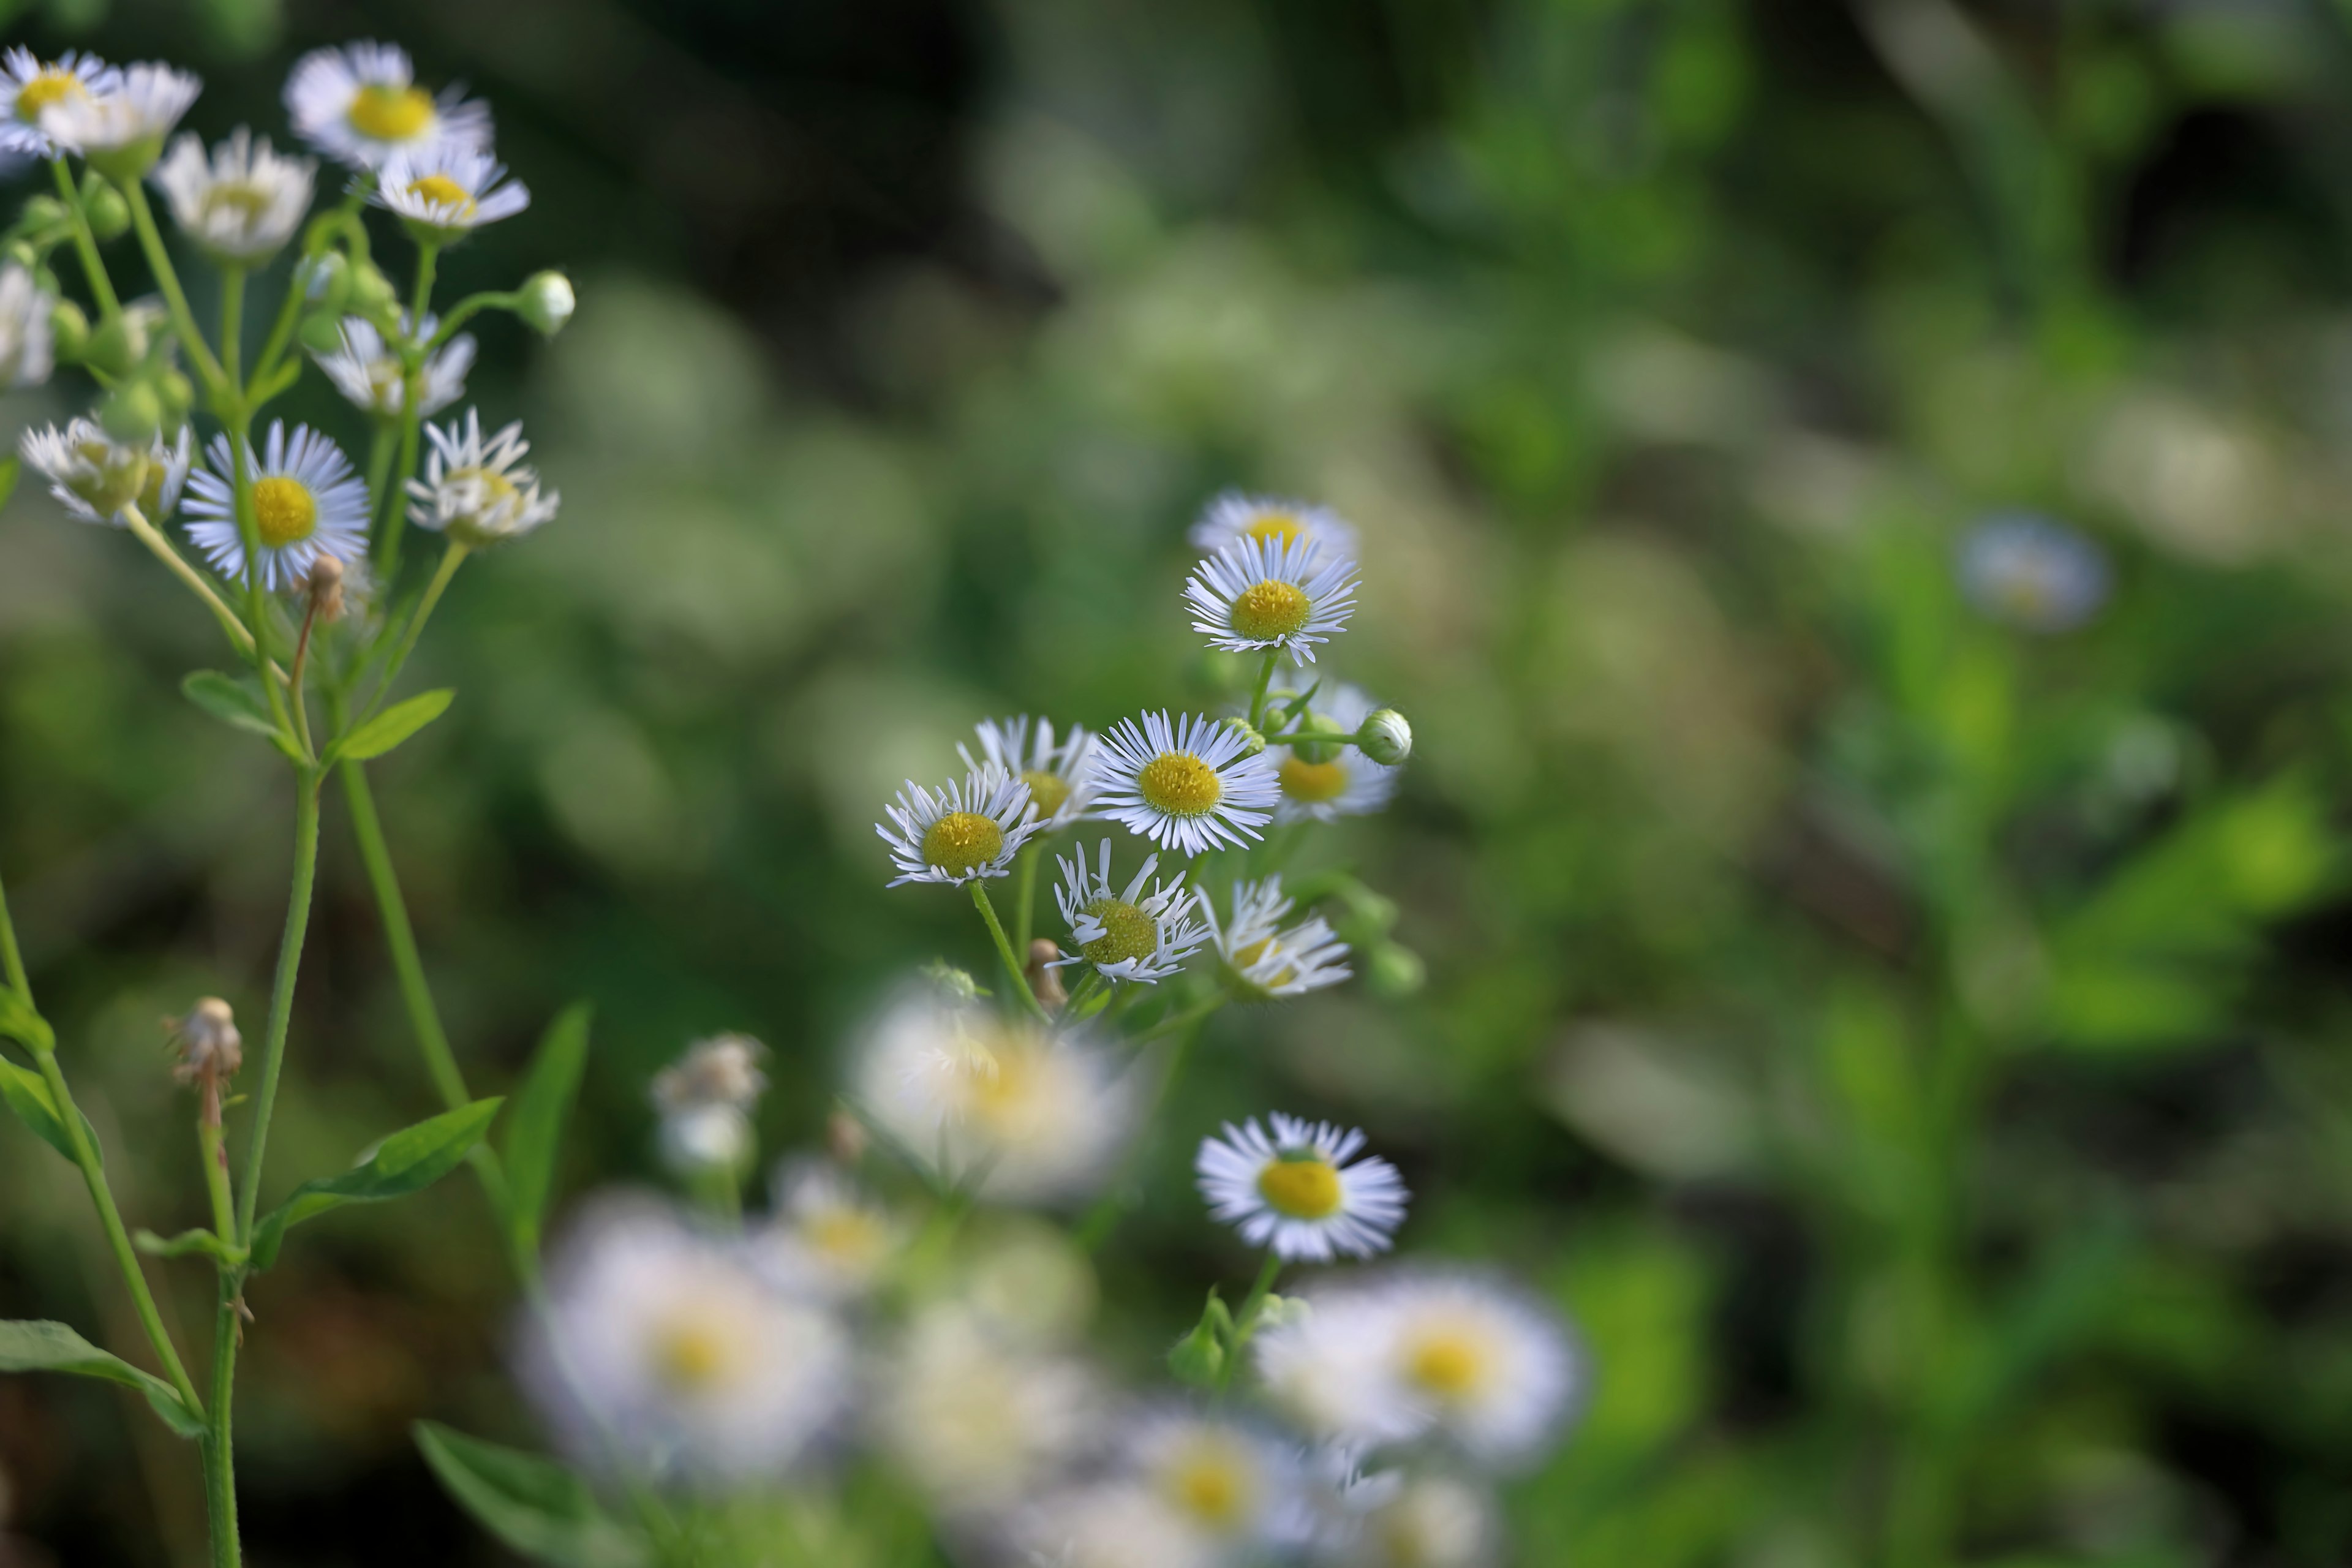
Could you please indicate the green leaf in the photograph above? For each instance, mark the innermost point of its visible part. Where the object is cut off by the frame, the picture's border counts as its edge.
(19, 1021)
(28, 1096)
(187, 1242)
(237, 703)
(393, 725)
(53, 1347)
(407, 1161)
(9, 469)
(535, 1131)
(535, 1506)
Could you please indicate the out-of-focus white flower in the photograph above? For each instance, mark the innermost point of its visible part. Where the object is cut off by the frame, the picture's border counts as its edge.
(1400, 1521)
(1329, 780)
(1301, 1193)
(1254, 596)
(360, 104)
(2036, 574)
(1118, 1525)
(97, 477)
(1263, 961)
(1234, 516)
(307, 503)
(369, 374)
(479, 493)
(1235, 1485)
(243, 202)
(705, 1098)
(27, 340)
(979, 1417)
(828, 1237)
(1133, 934)
(447, 189)
(29, 85)
(1055, 772)
(1188, 784)
(674, 1346)
(970, 828)
(1030, 1115)
(128, 116)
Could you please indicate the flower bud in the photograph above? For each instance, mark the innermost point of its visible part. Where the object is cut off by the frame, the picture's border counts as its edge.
(845, 1137)
(546, 302)
(42, 215)
(19, 253)
(178, 394)
(1391, 970)
(132, 412)
(110, 214)
(322, 332)
(1045, 980)
(327, 282)
(372, 296)
(210, 1049)
(1312, 723)
(1253, 740)
(1385, 737)
(69, 330)
(955, 985)
(324, 588)
(116, 346)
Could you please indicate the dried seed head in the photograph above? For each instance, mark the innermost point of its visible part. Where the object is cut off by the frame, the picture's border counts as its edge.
(1044, 981)
(207, 1041)
(324, 588)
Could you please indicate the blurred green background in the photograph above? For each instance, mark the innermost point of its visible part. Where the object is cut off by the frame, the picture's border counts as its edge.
(1915, 1051)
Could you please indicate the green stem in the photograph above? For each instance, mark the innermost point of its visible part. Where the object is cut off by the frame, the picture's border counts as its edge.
(452, 557)
(412, 395)
(1004, 950)
(1024, 878)
(161, 548)
(1264, 680)
(466, 309)
(100, 287)
(215, 1154)
(281, 1000)
(232, 323)
(175, 301)
(1101, 1220)
(11, 958)
(400, 936)
(219, 1447)
(1245, 1319)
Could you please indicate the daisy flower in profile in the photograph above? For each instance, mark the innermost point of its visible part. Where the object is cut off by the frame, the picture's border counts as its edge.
(1234, 1485)
(1130, 934)
(1263, 961)
(478, 492)
(360, 104)
(978, 1417)
(368, 374)
(1054, 772)
(97, 477)
(1233, 516)
(828, 1237)
(969, 829)
(29, 85)
(705, 1099)
(1329, 780)
(449, 190)
(670, 1342)
(1256, 594)
(2031, 572)
(1188, 784)
(307, 503)
(242, 202)
(1302, 1191)
(121, 125)
(27, 341)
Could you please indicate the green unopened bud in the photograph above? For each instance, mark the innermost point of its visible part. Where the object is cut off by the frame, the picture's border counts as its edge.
(1385, 737)
(132, 412)
(109, 214)
(178, 395)
(69, 330)
(1198, 1359)
(1393, 970)
(1252, 742)
(116, 346)
(327, 282)
(1282, 1311)
(546, 302)
(372, 296)
(322, 332)
(20, 253)
(1312, 723)
(956, 984)
(44, 215)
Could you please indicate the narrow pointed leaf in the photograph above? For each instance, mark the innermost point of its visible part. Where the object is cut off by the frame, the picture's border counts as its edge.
(233, 702)
(407, 1161)
(535, 1506)
(33, 1346)
(28, 1096)
(535, 1130)
(393, 725)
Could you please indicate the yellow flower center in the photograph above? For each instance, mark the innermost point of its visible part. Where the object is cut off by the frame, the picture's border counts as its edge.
(845, 1235)
(113, 477)
(1049, 790)
(1208, 1484)
(1003, 1099)
(961, 842)
(1128, 932)
(50, 87)
(1305, 1188)
(1312, 782)
(241, 199)
(1265, 611)
(1179, 784)
(384, 112)
(692, 1357)
(284, 512)
(1275, 527)
(1449, 1363)
(442, 191)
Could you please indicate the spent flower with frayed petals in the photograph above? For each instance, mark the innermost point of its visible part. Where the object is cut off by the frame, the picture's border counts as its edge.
(98, 478)
(1143, 932)
(978, 1416)
(121, 127)
(369, 374)
(668, 1344)
(1323, 781)
(1188, 784)
(1263, 961)
(969, 829)
(210, 1051)
(307, 503)
(449, 190)
(243, 202)
(705, 1099)
(1054, 770)
(2031, 572)
(479, 493)
(1301, 1192)
(29, 85)
(360, 104)
(1256, 595)
(1235, 516)
(829, 1237)
(27, 333)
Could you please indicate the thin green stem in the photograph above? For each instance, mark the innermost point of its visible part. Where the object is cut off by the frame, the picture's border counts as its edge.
(281, 1000)
(232, 323)
(161, 548)
(452, 557)
(1004, 950)
(1264, 680)
(400, 936)
(175, 300)
(1245, 1319)
(215, 1154)
(11, 958)
(219, 1445)
(381, 446)
(101, 287)
(1025, 880)
(412, 397)
(466, 309)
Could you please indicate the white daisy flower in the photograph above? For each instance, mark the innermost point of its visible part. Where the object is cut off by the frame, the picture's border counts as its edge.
(29, 85)
(27, 343)
(1234, 515)
(1112, 1524)
(1262, 959)
(307, 503)
(1301, 1193)
(1235, 1485)
(360, 104)
(131, 114)
(479, 493)
(1056, 774)
(1188, 784)
(1324, 781)
(450, 189)
(1417, 1521)
(369, 374)
(828, 1239)
(1029, 1115)
(978, 1416)
(1131, 934)
(705, 1099)
(673, 1345)
(1256, 595)
(242, 202)
(97, 477)
(970, 828)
